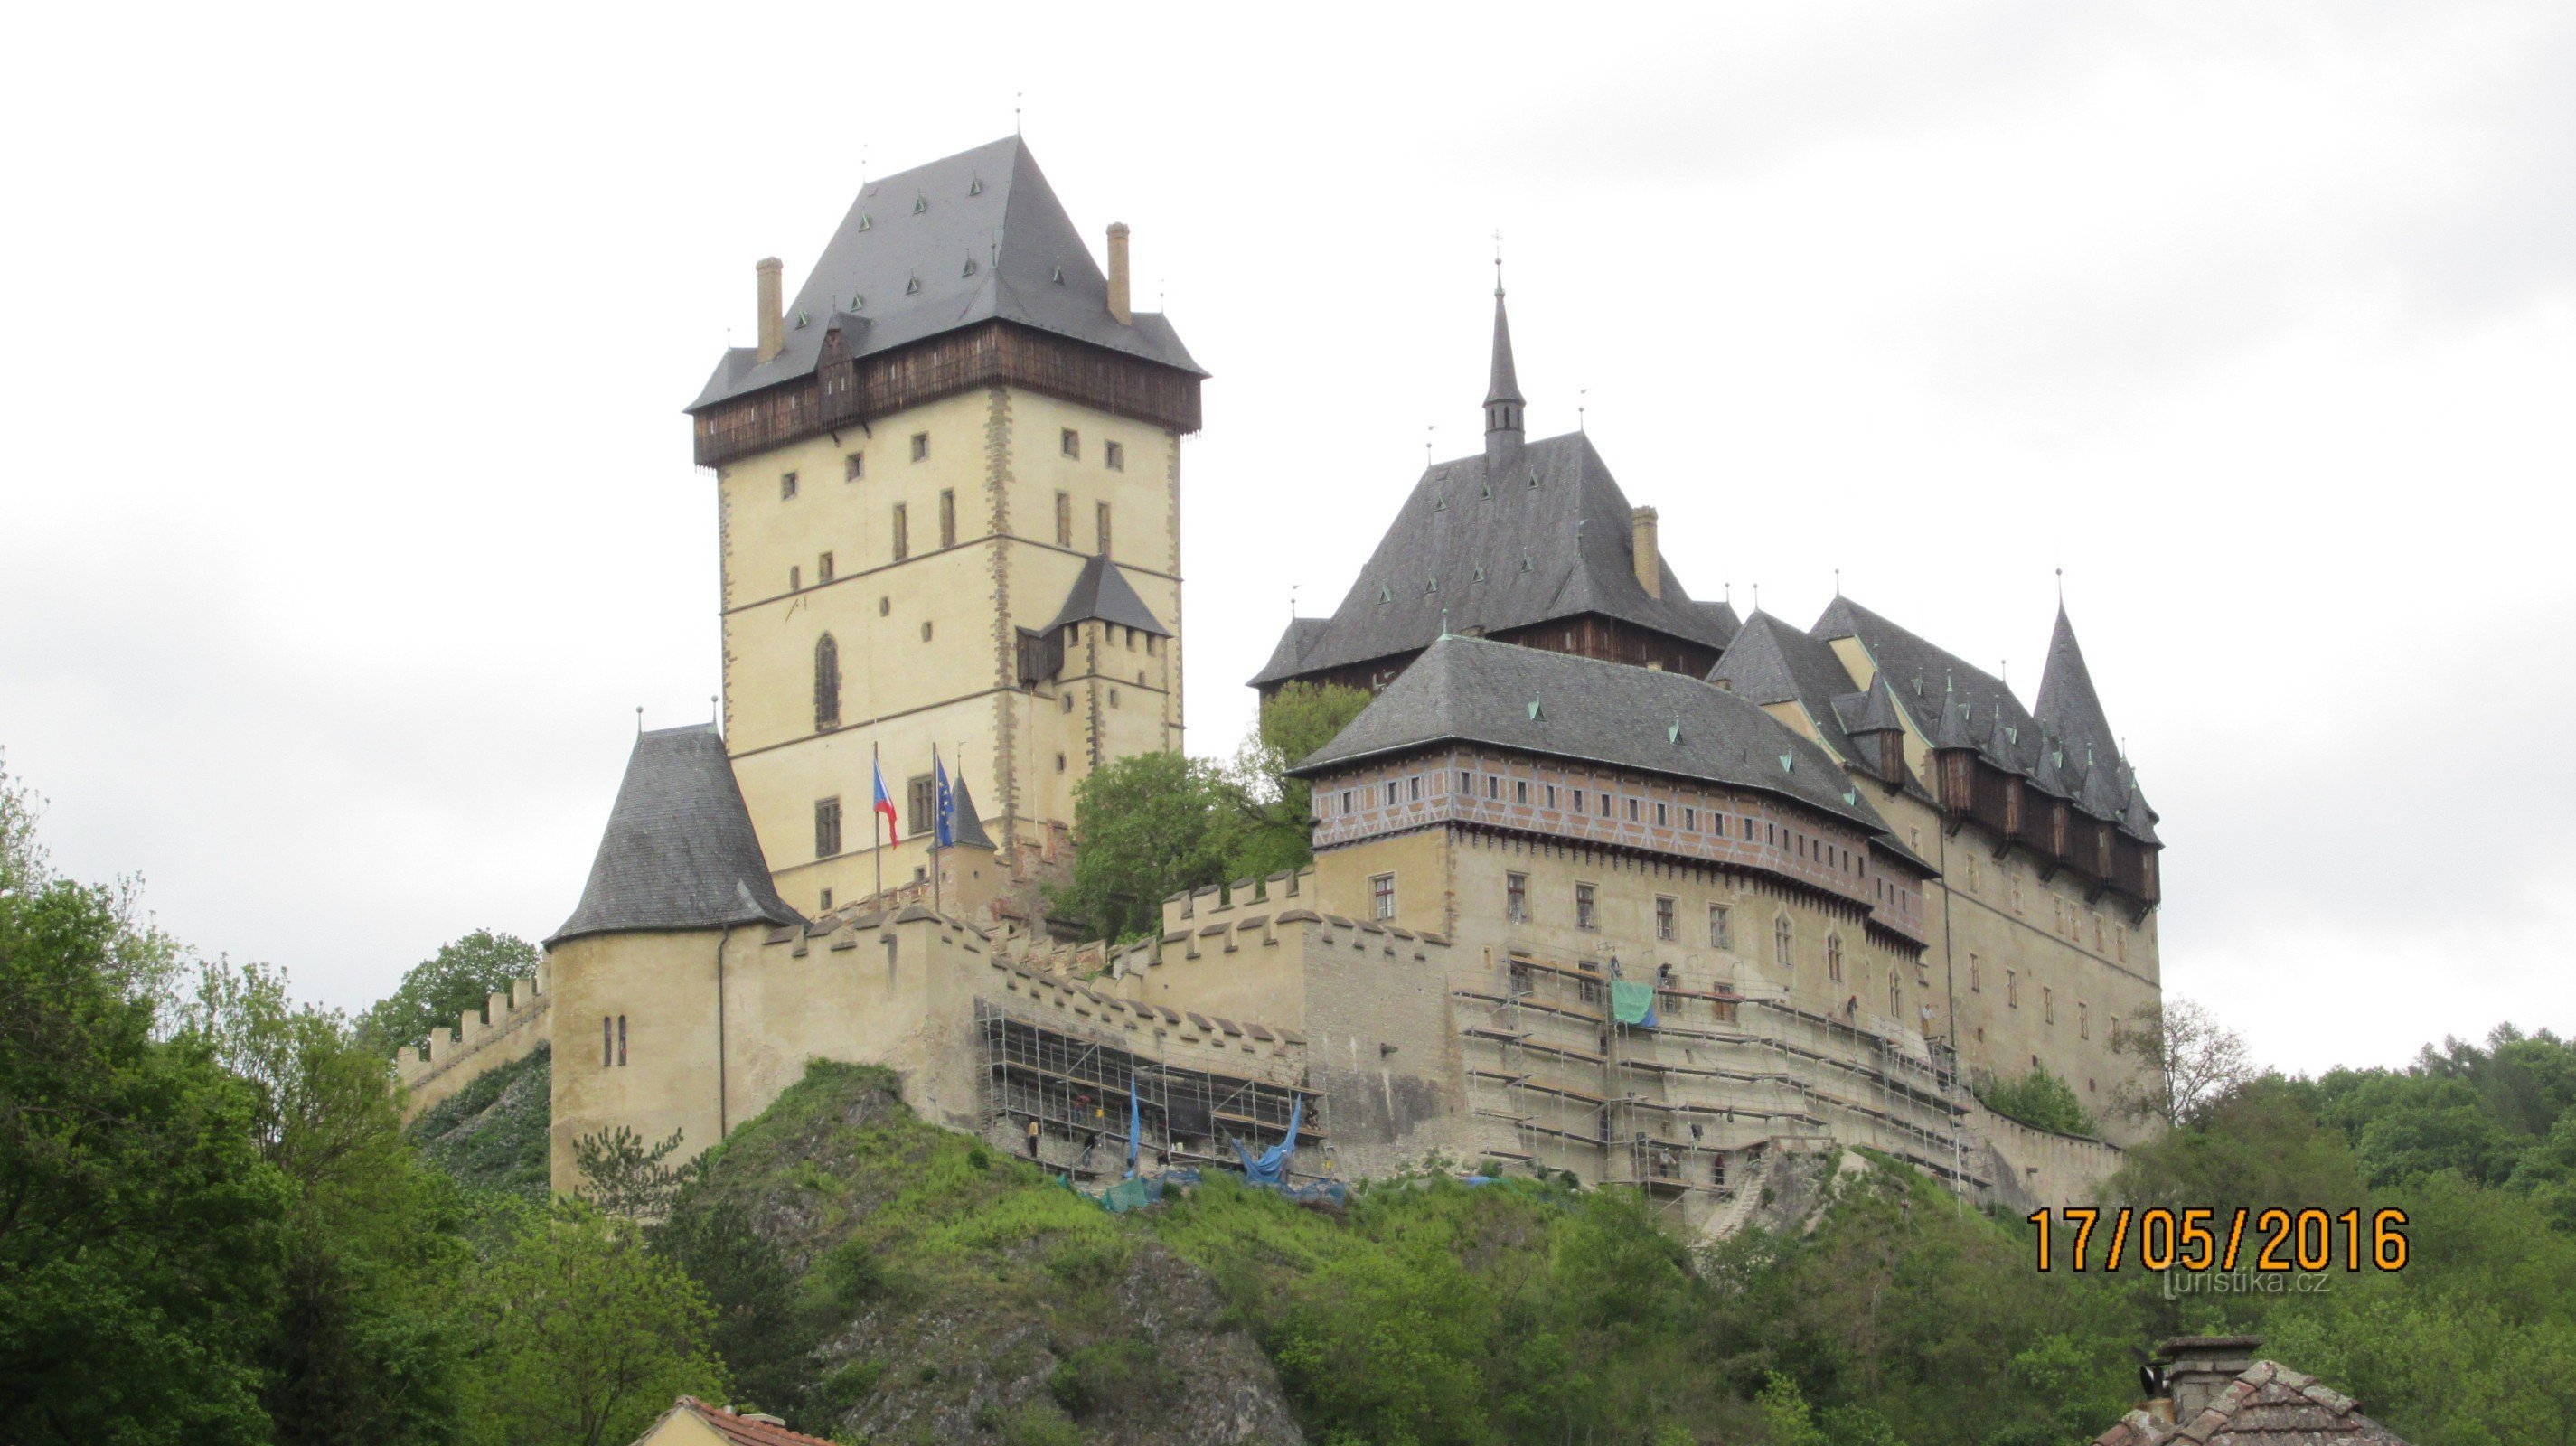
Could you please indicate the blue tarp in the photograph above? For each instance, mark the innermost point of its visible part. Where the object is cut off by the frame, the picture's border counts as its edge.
(1272, 1167)
(1135, 1124)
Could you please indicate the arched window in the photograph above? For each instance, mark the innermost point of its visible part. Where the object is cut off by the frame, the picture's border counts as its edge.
(1780, 941)
(827, 683)
(1834, 957)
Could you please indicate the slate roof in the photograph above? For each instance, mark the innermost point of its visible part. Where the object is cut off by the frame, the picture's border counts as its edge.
(967, 827)
(976, 237)
(1963, 705)
(1101, 591)
(679, 852)
(2067, 702)
(1288, 654)
(1473, 690)
(1556, 549)
(1773, 662)
(2268, 1405)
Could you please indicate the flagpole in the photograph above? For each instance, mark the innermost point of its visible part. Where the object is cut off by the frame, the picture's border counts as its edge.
(876, 850)
(935, 804)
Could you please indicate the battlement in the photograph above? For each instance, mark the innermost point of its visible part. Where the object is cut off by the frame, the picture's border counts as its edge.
(505, 1030)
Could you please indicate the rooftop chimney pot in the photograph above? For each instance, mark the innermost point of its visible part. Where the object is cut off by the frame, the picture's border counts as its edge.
(1118, 284)
(2199, 1368)
(773, 310)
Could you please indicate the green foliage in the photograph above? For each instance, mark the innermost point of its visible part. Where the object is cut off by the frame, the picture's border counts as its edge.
(461, 976)
(2041, 1099)
(144, 1243)
(625, 1177)
(1151, 825)
(493, 1135)
(1294, 722)
(583, 1335)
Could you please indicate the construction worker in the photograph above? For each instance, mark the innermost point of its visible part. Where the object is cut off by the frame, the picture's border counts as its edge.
(1033, 1137)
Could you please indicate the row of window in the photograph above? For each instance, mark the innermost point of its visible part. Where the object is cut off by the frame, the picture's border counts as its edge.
(2068, 916)
(2047, 1000)
(1604, 804)
(899, 531)
(854, 465)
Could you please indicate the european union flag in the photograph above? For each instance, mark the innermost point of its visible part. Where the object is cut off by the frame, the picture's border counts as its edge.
(947, 803)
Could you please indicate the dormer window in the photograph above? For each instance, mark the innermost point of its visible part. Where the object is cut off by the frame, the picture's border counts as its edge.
(1059, 276)
(920, 204)
(911, 285)
(975, 187)
(970, 267)
(864, 222)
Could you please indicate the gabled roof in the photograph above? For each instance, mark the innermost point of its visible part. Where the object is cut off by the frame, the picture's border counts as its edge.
(732, 1429)
(1286, 657)
(966, 826)
(679, 852)
(1772, 662)
(1548, 529)
(2268, 1405)
(1983, 713)
(1101, 591)
(1473, 690)
(976, 237)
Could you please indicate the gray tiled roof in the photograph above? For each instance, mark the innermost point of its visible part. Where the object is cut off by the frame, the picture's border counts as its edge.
(1772, 662)
(1965, 706)
(1556, 549)
(2067, 702)
(1291, 648)
(897, 272)
(1101, 591)
(679, 852)
(1472, 690)
(966, 827)
(2267, 1405)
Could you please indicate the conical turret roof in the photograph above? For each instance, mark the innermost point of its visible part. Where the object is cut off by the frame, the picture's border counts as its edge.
(679, 852)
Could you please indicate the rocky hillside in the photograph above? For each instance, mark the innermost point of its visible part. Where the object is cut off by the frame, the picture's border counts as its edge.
(491, 1135)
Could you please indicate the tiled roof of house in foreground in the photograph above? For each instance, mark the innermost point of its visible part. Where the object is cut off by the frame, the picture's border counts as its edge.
(2268, 1405)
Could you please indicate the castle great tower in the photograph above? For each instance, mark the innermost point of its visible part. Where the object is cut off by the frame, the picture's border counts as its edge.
(948, 498)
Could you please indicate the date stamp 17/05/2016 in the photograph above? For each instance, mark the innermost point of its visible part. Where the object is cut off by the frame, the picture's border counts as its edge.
(2276, 1241)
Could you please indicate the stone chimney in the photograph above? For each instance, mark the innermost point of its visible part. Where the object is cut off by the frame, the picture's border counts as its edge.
(1649, 557)
(2198, 1368)
(1118, 285)
(773, 310)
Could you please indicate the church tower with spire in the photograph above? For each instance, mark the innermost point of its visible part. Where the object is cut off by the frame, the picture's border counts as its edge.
(1504, 431)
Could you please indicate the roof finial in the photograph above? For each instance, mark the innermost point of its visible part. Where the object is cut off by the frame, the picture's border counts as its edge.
(1292, 602)
(715, 709)
(1838, 582)
(1579, 408)
(1757, 597)
(1428, 433)
(2061, 589)
(639, 720)
(1444, 622)
(1016, 97)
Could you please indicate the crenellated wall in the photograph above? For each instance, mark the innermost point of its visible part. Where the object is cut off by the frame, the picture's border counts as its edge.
(509, 1027)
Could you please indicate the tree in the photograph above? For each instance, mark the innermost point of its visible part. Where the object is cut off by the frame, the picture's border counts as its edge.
(462, 975)
(141, 1245)
(1294, 722)
(625, 1177)
(1149, 825)
(2039, 1098)
(2186, 1060)
(585, 1335)
(23, 865)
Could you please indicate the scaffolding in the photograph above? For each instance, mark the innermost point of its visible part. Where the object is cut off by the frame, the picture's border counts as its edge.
(1682, 1108)
(1078, 1088)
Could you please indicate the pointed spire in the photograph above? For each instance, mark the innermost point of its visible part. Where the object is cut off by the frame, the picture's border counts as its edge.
(1503, 400)
(2066, 700)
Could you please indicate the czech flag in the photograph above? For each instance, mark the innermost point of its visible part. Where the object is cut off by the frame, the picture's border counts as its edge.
(885, 801)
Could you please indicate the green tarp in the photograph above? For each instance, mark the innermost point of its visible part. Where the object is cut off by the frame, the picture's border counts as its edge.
(1632, 1003)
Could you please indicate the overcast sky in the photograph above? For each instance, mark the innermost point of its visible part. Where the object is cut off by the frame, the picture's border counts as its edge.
(350, 514)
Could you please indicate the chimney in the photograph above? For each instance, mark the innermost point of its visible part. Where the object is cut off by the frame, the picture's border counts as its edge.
(1649, 558)
(1118, 306)
(773, 311)
(2199, 1368)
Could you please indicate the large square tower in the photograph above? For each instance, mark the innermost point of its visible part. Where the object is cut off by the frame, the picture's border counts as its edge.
(948, 482)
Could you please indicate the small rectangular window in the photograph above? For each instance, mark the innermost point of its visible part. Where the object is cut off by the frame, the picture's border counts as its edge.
(1390, 793)
(823, 568)
(1665, 912)
(1632, 810)
(1113, 455)
(786, 486)
(795, 579)
(947, 517)
(1516, 898)
(1721, 927)
(921, 446)
(1100, 519)
(1494, 787)
(2012, 989)
(1690, 819)
(1412, 785)
(1382, 896)
(854, 466)
(1551, 795)
(902, 533)
(1520, 790)
(1064, 519)
(2047, 1005)
(1072, 442)
(621, 1040)
(1466, 783)
(1347, 800)
(921, 792)
(2083, 1020)
(1583, 911)
(827, 827)
(1663, 816)
(1578, 800)
(1976, 976)
(607, 1040)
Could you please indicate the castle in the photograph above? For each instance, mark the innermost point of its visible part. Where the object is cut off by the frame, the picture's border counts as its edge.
(1607, 880)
